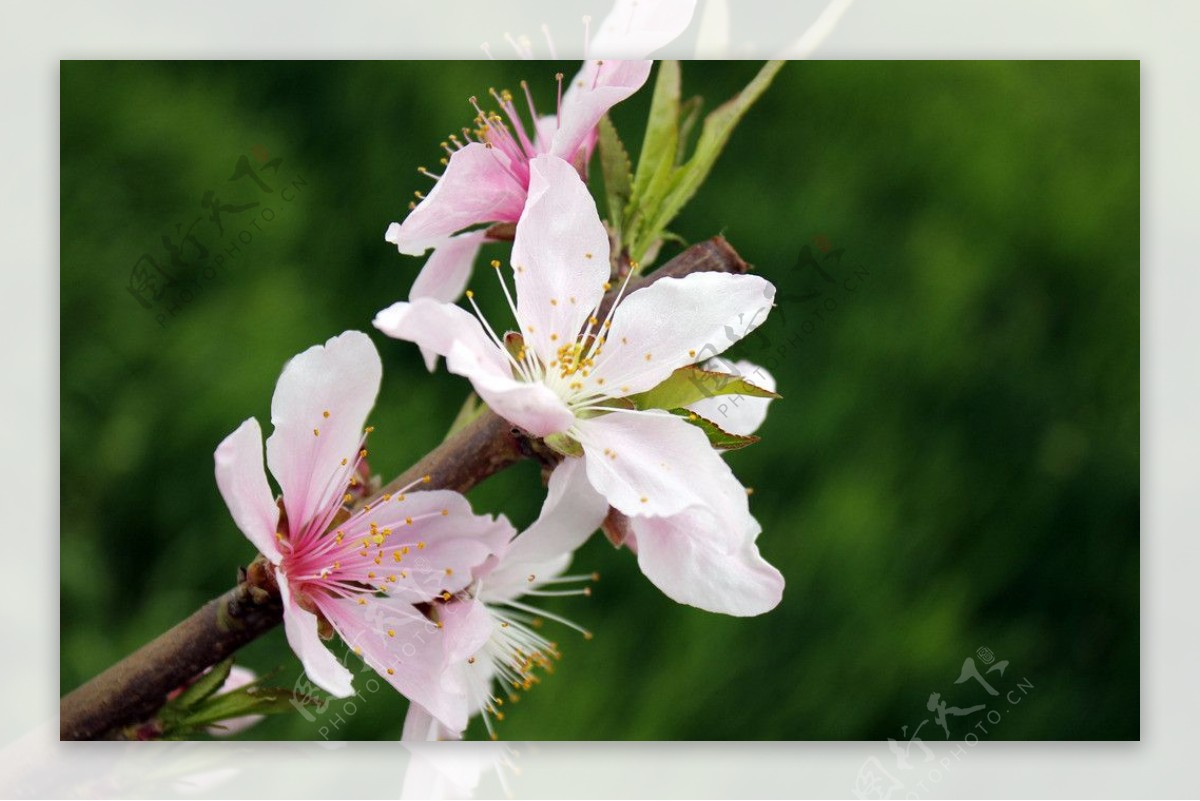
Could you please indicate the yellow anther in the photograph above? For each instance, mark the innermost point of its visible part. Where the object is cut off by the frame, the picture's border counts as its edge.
(316, 432)
(449, 571)
(391, 632)
(362, 601)
(325, 414)
(420, 546)
(470, 294)
(391, 672)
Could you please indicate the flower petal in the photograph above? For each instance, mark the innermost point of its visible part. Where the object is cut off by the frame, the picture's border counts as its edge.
(647, 463)
(319, 408)
(701, 558)
(598, 87)
(636, 28)
(571, 512)
(238, 677)
(476, 187)
(243, 484)
(321, 666)
(428, 543)
(559, 256)
(675, 322)
(737, 414)
(446, 271)
(420, 726)
(454, 333)
(405, 648)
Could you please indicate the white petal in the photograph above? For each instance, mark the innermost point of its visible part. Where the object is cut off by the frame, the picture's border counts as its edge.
(559, 256)
(675, 322)
(572, 511)
(454, 333)
(701, 558)
(320, 405)
(737, 414)
(243, 484)
(636, 28)
(647, 463)
(321, 666)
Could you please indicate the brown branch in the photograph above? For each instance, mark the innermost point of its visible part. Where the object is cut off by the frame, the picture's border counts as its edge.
(132, 690)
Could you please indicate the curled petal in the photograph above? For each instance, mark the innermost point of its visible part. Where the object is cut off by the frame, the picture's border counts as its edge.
(321, 666)
(243, 484)
(598, 87)
(478, 186)
(701, 558)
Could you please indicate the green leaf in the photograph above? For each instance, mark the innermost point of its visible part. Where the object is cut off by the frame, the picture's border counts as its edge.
(689, 114)
(250, 700)
(714, 135)
(203, 687)
(717, 437)
(617, 171)
(664, 181)
(662, 130)
(689, 384)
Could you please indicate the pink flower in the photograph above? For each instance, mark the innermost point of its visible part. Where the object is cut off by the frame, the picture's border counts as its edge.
(567, 374)
(357, 573)
(486, 177)
(492, 628)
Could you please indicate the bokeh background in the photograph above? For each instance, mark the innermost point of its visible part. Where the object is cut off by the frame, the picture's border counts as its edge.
(954, 465)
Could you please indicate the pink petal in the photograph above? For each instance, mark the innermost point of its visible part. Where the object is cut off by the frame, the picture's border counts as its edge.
(675, 322)
(597, 88)
(321, 666)
(648, 463)
(414, 651)
(636, 28)
(452, 332)
(559, 256)
(446, 271)
(243, 484)
(737, 414)
(319, 408)
(476, 187)
(438, 551)
(708, 560)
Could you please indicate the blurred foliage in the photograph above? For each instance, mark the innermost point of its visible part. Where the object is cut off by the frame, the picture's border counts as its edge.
(954, 463)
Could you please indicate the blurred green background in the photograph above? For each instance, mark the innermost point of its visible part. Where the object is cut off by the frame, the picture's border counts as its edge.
(954, 465)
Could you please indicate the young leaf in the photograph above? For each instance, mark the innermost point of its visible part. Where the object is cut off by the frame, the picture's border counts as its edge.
(204, 686)
(617, 171)
(662, 129)
(714, 135)
(248, 701)
(690, 384)
(717, 437)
